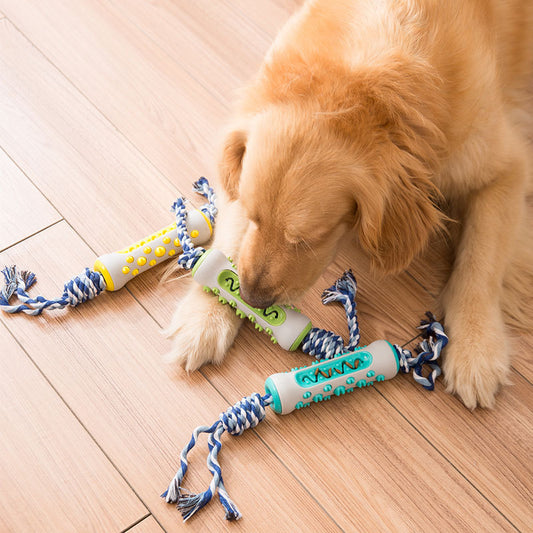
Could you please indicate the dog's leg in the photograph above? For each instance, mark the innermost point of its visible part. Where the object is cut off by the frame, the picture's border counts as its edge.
(477, 358)
(202, 329)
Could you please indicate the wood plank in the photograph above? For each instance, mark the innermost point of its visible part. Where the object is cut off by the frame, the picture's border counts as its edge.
(210, 40)
(148, 525)
(269, 16)
(104, 359)
(153, 101)
(53, 475)
(348, 450)
(492, 448)
(24, 209)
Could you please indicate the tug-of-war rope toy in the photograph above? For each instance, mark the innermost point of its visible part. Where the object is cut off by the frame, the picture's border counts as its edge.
(338, 368)
(112, 271)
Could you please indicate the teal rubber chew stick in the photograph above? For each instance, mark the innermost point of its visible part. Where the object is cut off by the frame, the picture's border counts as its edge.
(285, 325)
(332, 377)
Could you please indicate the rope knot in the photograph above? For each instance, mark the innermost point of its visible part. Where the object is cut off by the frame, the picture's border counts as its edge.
(83, 288)
(190, 253)
(202, 187)
(322, 344)
(245, 414)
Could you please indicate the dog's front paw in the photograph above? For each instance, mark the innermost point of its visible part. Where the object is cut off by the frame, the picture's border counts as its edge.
(475, 368)
(202, 330)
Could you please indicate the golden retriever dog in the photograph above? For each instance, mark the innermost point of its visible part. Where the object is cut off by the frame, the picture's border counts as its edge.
(387, 120)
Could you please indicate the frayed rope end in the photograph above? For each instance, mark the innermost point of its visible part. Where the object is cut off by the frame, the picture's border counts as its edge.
(189, 504)
(345, 286)
(12, 278)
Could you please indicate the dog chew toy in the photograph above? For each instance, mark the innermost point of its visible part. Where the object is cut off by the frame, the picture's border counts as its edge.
(338, 369)
(285, 325)
(297, 389)
(112, 271)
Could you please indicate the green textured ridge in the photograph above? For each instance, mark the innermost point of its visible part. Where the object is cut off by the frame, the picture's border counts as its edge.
(241, 314)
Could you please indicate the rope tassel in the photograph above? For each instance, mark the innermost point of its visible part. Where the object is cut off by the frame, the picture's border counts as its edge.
(202, 187)
(428, 352)
(245, 414)
(326, 344)
(79, 289)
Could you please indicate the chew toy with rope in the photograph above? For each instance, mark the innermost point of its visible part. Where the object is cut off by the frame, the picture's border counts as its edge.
(302, 387)
(112, 271)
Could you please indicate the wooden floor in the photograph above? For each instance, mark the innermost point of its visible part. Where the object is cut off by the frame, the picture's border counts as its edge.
(109, 110)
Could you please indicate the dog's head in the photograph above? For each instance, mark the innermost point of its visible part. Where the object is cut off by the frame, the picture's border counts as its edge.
(306, 178)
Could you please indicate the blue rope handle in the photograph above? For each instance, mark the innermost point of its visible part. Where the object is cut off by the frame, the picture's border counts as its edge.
(79, 289)
(245, 414)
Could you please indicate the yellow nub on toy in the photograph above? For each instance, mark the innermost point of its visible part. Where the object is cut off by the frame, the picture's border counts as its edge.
(117, 268)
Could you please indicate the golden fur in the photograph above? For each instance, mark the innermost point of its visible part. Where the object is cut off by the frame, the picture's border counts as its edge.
(386, 119)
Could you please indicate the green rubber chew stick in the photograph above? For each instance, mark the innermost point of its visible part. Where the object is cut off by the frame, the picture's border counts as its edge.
(120, 267)
(332, 377)
(285, 325)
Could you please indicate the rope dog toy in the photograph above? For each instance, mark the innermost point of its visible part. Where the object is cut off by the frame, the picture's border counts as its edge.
(299, 388)
(112, 271)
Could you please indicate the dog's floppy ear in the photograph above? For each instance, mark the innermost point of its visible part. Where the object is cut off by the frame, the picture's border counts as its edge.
(230, 162)
(396, 220)
(397, 211)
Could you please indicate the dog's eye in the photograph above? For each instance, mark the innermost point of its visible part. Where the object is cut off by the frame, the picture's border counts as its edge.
(296, 240)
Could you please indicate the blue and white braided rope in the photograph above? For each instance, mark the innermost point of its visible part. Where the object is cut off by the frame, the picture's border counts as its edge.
(191, 253)
(79, 289)
(325, 344)
(428, 352)
(245, 414)
(202, 187)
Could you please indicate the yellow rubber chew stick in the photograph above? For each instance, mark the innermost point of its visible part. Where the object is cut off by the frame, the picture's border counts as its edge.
(118, 268)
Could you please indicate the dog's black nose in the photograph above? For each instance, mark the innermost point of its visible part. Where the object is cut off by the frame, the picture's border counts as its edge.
(256, 299)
